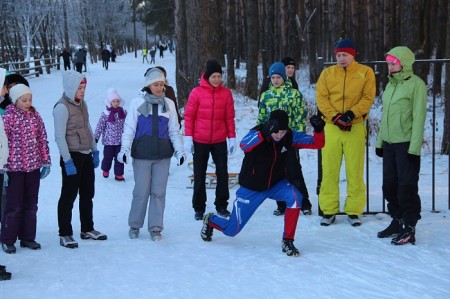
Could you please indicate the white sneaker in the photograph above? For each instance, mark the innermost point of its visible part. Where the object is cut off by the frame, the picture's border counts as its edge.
(68, 241)
(93, 234)
(155, 235)
(354, 220)
(327, 220)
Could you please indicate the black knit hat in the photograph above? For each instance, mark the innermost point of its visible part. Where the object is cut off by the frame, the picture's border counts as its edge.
(282, 118)
(288, 61)
(212, 66)
(15, 78)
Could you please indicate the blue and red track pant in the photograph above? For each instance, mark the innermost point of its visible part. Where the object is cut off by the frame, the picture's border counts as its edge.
(247, 202)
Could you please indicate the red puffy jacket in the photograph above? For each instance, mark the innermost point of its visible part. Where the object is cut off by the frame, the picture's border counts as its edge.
(209, 114)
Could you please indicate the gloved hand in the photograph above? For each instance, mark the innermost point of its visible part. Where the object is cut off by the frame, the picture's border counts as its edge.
(343, 124)
(181, 157)
(348, 116)
(95, 158)
(70, 167)
(379, 152)
(413, 158)
(96, 140)
(270, 127)
(122, 155)
(5, 180)
(231, 146)
(188, 144)
(317, 123)
(45, 171)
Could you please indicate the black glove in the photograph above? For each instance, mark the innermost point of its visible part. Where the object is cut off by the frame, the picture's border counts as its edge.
(317, 123)
(413, 158)
(270, 127)
(96, 140)
(379, 152)
(348, 116)
(343, 124)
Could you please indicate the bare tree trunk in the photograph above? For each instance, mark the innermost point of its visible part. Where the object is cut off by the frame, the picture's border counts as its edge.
(251, 86)
(231, 42)
(284, 22)
(66, 27)
(311, 42)
(442, 16)
(445, 146)
(181, 75)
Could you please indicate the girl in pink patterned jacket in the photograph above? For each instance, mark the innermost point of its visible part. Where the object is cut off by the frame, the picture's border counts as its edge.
(28, 153)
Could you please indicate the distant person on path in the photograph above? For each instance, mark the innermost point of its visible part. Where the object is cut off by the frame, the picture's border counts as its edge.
(280, 91)
(28, 163)
(263, 175)
(208, 123)
(152, 136)
(344, 94)
(144, 55)
(152, 55)
(110, 128)
(67, 57)
(399, 143)
(79, 157)
(106, 55)
(85, 59)
(79, 60)
(113, 55)
(162, 47)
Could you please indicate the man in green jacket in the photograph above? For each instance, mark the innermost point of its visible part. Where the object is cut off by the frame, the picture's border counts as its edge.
(399, 142)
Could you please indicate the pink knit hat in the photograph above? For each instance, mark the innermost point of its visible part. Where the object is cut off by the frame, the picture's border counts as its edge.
(111, 95)
(393, 59)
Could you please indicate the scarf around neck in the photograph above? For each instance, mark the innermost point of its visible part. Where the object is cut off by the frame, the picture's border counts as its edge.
(150, 99)
(112, 113)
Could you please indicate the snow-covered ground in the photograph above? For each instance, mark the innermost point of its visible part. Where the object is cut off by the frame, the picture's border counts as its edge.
(339, 261)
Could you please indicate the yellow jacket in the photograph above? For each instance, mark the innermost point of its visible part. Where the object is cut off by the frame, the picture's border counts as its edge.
(341, 89)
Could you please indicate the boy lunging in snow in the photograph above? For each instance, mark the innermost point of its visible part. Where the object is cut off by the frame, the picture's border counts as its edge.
(110, 127)
(263, 175)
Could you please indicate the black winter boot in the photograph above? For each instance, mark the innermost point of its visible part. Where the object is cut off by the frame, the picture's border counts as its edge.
(392, 230)
(406, 236)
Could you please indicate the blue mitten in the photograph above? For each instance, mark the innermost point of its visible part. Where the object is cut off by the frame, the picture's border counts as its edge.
(45, 171)
(96, 159)
(70, 167)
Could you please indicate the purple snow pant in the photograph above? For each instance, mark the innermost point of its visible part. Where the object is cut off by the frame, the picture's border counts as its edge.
(110, 153)
(19, 218)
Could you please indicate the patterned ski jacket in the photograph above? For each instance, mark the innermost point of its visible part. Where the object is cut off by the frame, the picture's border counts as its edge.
(111, 132)
(27, 140)
(209, 114)
(404, 105)
(264, 162)
(287, 99)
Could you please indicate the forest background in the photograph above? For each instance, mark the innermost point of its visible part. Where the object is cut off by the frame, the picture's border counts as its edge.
(239, 33)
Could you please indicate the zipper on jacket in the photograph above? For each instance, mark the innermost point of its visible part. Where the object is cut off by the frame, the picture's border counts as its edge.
(212, 116)
(273, 164)
(343, 90)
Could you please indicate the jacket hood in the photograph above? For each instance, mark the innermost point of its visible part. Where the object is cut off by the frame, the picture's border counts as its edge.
(406, 57)
(71, 80)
